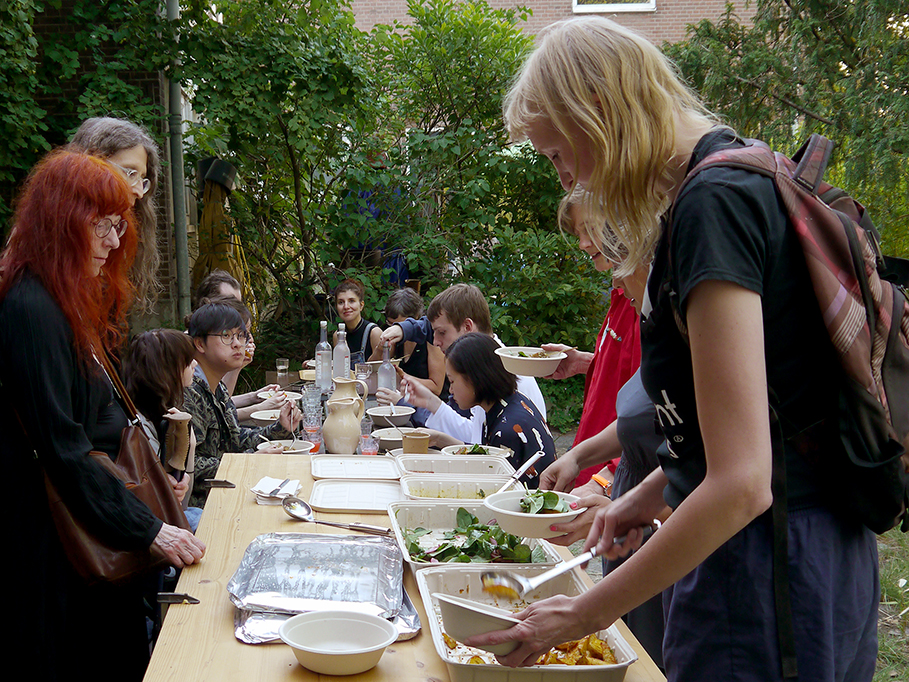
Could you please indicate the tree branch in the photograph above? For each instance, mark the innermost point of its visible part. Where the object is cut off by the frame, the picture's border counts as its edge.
(788, 102)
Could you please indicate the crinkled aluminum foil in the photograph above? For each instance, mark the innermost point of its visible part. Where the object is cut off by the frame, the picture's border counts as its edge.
(298, 572)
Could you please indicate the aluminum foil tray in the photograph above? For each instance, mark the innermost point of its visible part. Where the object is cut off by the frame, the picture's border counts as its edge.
(439, 516)
(298, 572)
(465, 582)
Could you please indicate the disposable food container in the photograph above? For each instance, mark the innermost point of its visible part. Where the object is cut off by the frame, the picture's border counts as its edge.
(429, 487)
(440, 516)
(465, 582)
(444, 465)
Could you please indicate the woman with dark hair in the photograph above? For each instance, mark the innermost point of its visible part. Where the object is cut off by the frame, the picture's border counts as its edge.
(363, 337)
(63, 302)
(219, 336)
(477, 377)
(132, 151)
(158, 367)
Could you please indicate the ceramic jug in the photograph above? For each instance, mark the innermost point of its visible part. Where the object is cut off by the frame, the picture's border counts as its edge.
(347, 388)
(341, 430)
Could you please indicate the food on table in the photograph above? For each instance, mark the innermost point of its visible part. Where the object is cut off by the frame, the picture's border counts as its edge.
(591, 650)
(479, 494)
(543, 502)
(588, 651)
(470, 542)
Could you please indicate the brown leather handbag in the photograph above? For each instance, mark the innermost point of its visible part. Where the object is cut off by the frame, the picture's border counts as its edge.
(140, 469)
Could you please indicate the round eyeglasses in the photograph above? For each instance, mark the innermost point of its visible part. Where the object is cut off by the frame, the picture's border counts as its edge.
(133, 178)
(105, 225)
(227, 338)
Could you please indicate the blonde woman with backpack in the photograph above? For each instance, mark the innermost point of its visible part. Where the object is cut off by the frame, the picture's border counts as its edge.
(612, 115)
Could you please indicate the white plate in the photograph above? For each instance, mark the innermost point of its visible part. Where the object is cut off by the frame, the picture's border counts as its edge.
(355, 466)
(354, 495)
(290, 395)
(304, 447)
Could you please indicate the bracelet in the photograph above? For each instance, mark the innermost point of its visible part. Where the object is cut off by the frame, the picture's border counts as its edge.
(604, 483)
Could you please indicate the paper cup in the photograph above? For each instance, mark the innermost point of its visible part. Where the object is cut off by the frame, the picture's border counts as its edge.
(415, 442)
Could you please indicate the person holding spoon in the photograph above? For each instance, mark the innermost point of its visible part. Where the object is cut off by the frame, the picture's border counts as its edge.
(729, 314)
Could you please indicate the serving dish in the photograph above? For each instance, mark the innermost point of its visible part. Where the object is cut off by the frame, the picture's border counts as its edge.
(487, 451)
(446, 465)
(354, 495)
(441, 516)
(465, 582)
(355, 466)
(434, 487)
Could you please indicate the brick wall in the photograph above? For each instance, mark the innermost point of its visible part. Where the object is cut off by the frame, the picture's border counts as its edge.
(667, 23)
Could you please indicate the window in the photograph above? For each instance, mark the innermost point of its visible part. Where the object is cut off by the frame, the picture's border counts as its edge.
(588, 6)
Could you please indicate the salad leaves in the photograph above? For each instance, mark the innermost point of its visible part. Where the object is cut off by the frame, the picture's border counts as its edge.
(543, 502)
(473, 542)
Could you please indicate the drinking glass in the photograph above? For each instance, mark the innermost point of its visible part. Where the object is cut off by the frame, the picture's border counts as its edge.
(362, 371)
(282, 364)
(369, 445)
(366, 426)
(314, 436)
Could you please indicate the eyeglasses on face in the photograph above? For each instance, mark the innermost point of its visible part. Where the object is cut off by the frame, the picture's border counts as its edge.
(105, 225)
(133, 178)
(227, 338)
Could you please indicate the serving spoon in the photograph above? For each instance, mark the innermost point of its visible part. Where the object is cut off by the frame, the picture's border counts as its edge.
(525, 467)
(300, 510)
(512, 586)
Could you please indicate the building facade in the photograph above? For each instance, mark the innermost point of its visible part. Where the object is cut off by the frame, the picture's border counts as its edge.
(659, 20)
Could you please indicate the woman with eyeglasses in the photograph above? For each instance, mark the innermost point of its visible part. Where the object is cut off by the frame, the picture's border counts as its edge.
(220, 336)
(64, 296)
(132, 151)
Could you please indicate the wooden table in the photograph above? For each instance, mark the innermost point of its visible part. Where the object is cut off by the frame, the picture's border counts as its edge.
(197, 641)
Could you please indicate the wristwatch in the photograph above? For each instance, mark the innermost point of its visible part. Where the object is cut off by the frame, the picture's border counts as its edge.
(604, 483)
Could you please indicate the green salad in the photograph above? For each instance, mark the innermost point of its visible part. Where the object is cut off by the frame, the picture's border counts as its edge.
(543, 502)
(471, 542)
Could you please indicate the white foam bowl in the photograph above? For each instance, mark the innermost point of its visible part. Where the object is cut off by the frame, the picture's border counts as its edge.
(382, 416)
(337, 642)
(463, 618)
(265, 417)
(528, 366)
(506, 508)
(300, 447)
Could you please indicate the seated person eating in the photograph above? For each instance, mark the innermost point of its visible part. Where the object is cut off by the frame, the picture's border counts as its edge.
(219, 337)
(477, 376)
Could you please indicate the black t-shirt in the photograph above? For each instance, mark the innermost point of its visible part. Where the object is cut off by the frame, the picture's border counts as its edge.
(729, 225)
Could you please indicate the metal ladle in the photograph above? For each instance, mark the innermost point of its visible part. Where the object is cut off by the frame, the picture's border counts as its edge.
(301, 511)
(511, 586)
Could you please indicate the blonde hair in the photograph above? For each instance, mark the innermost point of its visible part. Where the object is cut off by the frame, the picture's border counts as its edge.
(627, 98)
(607, 242)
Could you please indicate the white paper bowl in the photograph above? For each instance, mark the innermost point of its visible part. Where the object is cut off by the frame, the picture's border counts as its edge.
(265, 417)
(390, 439)
(490, 450)
(529, 367)
(382, 416)
(506, 508)
(337, 642)
(301, 447)
(463, 618)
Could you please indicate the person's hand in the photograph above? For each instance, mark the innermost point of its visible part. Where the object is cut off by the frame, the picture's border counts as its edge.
(625, 516)
(290, 416)
(394, 334)
(250, 351)
(387, 396)
(577, 528)
(543, 625)
(180, 547)
(561, 474)
(418, 395)
(577, 361)
(181, 487)
(275, 402)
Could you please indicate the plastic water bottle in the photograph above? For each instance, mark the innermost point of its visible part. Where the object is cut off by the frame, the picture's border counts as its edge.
(323, 359)
(387, 376)
(340, 366)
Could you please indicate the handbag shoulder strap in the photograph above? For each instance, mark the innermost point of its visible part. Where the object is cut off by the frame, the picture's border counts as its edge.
(128, 406)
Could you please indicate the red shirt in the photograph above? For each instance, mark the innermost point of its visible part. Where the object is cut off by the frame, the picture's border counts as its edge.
(615, 359)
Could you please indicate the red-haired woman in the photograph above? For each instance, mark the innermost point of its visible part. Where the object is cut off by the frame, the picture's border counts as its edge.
(63, 299)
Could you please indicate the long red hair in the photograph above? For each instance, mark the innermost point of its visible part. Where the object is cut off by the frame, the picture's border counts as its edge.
(63, 197)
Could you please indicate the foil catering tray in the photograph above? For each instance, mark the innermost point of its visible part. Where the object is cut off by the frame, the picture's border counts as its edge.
(299, 572)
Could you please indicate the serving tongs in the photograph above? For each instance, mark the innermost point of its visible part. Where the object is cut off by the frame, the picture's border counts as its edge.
(300, 510)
